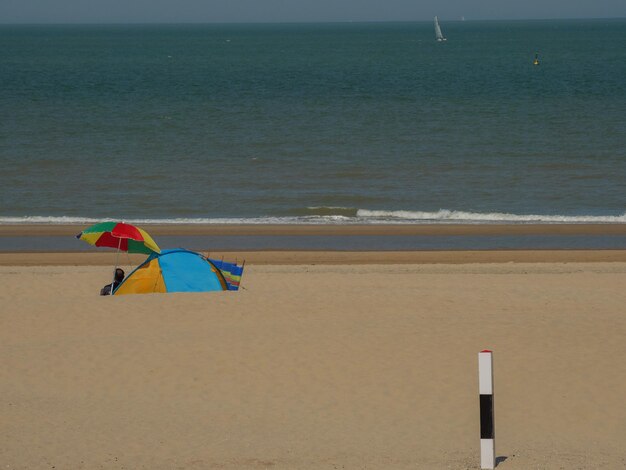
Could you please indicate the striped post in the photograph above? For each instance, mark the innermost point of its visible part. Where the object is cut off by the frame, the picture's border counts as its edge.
(487, 425)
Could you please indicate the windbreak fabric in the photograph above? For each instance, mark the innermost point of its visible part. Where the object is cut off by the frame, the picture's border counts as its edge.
(231, 272)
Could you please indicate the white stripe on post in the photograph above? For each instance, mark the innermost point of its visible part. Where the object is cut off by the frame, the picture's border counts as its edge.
(487, 425)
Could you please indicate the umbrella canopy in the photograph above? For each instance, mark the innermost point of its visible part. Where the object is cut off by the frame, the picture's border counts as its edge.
(126, 237)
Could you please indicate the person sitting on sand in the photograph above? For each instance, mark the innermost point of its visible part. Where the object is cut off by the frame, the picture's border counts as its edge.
(119, 277)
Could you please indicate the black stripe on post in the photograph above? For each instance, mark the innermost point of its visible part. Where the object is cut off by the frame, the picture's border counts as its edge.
(486, 417)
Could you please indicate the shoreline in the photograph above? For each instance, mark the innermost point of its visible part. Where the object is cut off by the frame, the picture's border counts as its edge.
(12, 230)
(311, 257)
(44, 244)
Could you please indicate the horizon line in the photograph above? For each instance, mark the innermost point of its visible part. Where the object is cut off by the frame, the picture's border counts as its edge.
(143, 23)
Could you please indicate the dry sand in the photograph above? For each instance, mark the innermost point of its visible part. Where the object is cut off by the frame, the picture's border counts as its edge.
(353, 366)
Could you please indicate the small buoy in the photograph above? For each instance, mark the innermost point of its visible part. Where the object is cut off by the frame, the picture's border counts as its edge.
(536, 61)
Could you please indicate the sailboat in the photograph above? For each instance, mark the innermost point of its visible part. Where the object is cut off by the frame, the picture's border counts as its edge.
(438, 36)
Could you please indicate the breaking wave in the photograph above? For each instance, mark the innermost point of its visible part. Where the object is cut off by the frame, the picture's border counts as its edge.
(341, 215)
(444, 215)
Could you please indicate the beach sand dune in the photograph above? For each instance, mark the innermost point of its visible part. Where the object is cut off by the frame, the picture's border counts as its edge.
(356, 366)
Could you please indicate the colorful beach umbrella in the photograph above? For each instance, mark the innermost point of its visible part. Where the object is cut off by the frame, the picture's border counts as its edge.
(119, 235)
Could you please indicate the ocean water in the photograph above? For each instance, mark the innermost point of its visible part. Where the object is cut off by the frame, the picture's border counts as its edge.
(314, 123)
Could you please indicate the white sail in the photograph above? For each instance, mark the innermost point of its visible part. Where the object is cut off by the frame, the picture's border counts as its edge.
(438, 35)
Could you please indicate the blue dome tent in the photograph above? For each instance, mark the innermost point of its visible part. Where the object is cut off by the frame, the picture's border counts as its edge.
(177, 270)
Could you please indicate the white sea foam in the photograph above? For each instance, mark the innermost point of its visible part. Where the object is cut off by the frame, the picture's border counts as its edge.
(37, 219)
(445, 215)
(362, 216)
(173, 221)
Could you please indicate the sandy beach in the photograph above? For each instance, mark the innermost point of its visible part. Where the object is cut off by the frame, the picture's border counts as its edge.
(404, 188)
(315, 366)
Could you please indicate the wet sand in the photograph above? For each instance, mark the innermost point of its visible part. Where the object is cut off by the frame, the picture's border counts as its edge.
(371, 229)
(331, 257)
(91, 256)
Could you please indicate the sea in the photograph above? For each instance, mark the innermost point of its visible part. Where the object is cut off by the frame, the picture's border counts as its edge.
(333, 123)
